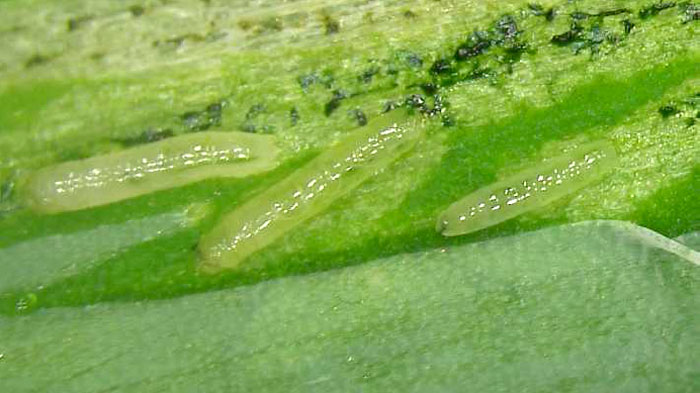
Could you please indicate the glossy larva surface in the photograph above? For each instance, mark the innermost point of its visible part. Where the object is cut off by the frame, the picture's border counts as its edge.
(306, 192)
(160, 165)
(528, 190)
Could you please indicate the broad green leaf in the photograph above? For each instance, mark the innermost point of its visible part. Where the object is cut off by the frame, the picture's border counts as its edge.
(596, 306)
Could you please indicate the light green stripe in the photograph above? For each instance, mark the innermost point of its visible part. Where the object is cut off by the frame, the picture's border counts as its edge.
(48, 259)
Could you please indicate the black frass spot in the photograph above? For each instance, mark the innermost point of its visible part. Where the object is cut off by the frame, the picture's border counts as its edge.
(178, 41)
(429, 88)
(654, 9)
(358, 116)
(413, 60)
(513, 53)
(306, 81)
(668, 110)
(616, 11)
(205, 119)
(578, 15)
(575, 33)
(136, 10)
(477, 72)
(293, 116)
(330, 24)
(6, 190)
(538, 10)
(441, 66)
(77, 22)
(368, 74)
(447, 120)
(439, 106)
(192, 120)
(506, 29)
(693, 101)
(596, 38)
(247, 127)
(477, 43)
(691, 12)
(390, 106)
(416, 101)
(148, 136)
(254, 111)
(36, 60)
(326, 79)
(334, 103)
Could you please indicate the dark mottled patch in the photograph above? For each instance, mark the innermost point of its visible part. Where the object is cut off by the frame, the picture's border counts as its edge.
(77, 22)
(690, 12)
(147, 136)
(538, 10)
(668, 110)
(368, 74)
(37, 60)
(477, 73)
(305, 81)
(601, 14)
(514, 52)
(416, 101)
(439, 106)
(325, 79)
(408, 14)
(254, 111)
(192, 120)
(359, 117)
(6, 190)
(441, 66)
(578, 15)
(247, 127)
(575, 33)
(334, 102)
(137, 10)
(506, 28)
(178, 41)
(654, 9)
(413, 60)
(477, 43)
(204, 119)
(429, 88)
(628, 26)
(390, 106)
(596, 38)
(330, 24)
(293, 116)
(617, 11)
(447, 120)
(693, 101)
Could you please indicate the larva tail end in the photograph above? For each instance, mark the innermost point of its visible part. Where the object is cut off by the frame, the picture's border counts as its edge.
(208, 268)
(441, 225)
(211, 261)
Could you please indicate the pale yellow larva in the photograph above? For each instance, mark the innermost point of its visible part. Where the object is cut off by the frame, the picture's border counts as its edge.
(528, 190)
(169, 163)
(306, 192)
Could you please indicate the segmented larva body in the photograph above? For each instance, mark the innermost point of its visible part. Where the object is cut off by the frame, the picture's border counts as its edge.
(528, 190)
(147, 168)
(306, 192)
